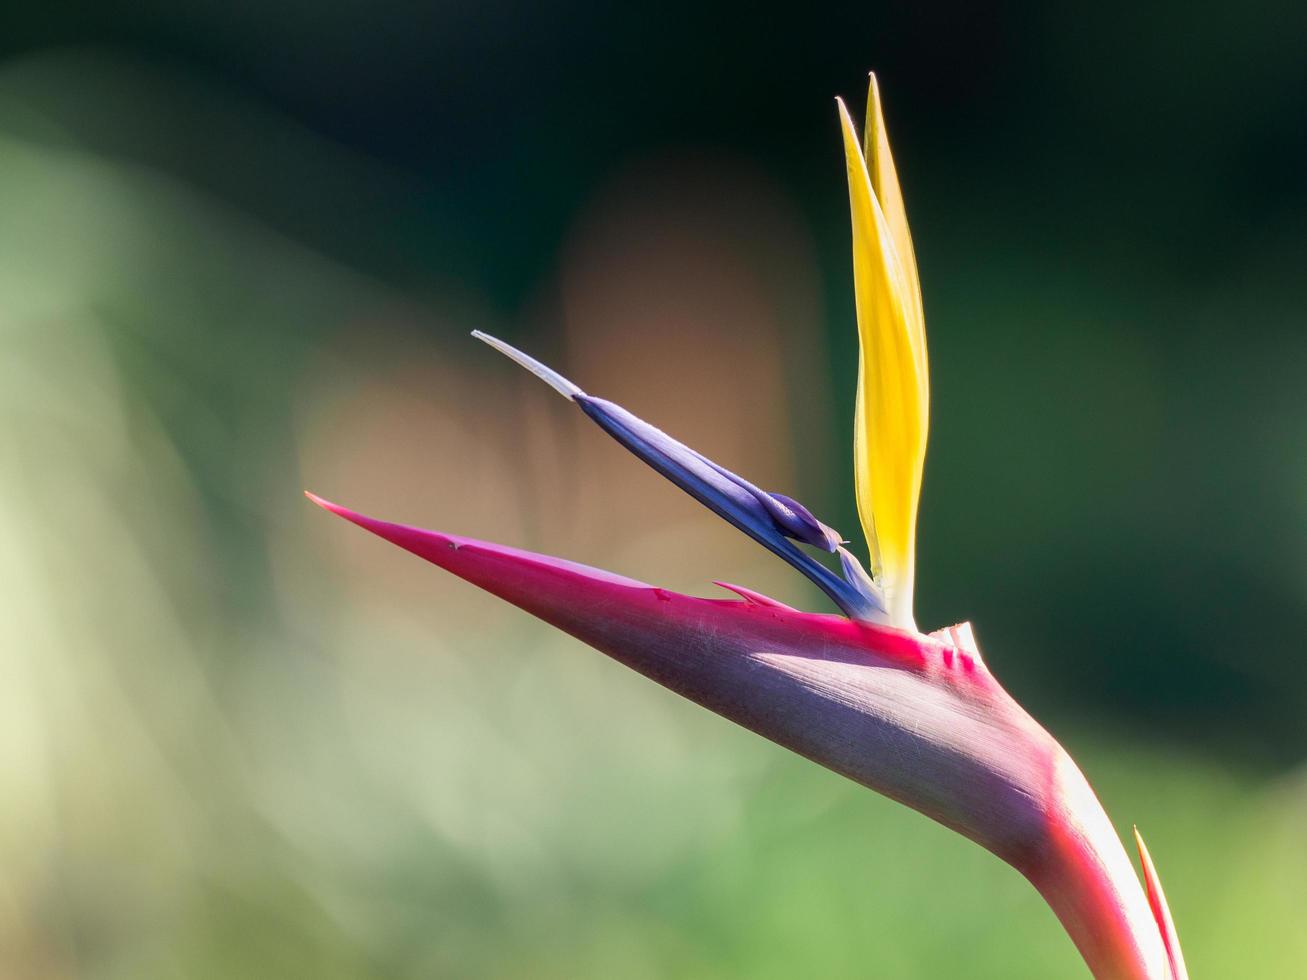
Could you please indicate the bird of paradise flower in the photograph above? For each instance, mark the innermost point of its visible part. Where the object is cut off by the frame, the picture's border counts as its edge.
(917, 717)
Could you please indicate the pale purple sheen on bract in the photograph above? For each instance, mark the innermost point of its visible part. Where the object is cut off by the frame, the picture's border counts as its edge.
(773, 520)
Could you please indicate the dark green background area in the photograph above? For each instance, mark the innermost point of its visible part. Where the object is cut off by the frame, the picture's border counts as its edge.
(1109, 207)
(1110, 214)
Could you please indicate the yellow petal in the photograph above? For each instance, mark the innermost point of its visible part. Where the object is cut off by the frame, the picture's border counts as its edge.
(1161, 912)
(893, 400)
(885, 185)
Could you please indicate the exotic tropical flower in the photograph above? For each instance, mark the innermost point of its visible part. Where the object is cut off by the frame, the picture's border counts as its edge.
(917, 717)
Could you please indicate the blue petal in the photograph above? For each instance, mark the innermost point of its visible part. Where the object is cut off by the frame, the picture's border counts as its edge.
(770, 519)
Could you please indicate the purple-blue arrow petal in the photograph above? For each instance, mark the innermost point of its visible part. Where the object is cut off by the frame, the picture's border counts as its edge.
(773, 520)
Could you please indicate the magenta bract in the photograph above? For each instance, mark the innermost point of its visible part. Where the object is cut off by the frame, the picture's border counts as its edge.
(919, 718)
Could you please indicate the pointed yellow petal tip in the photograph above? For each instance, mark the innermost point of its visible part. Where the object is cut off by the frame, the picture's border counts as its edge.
(893, 398)
(1161, 913)
(874, 126)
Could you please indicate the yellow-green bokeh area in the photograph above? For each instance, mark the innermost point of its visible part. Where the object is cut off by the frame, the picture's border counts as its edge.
(240, 254)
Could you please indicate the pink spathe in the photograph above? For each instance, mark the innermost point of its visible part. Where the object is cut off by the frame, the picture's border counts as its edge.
(918, 718)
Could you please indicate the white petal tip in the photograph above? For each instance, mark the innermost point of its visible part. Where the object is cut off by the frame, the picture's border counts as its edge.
(546, 374)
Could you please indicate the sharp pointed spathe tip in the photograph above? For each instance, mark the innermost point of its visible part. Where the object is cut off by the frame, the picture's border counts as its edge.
(330, 507)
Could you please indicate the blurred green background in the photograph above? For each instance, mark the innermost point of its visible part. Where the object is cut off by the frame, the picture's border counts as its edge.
(241, 247)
